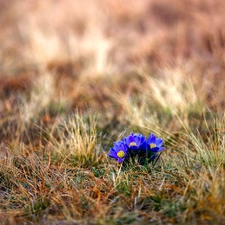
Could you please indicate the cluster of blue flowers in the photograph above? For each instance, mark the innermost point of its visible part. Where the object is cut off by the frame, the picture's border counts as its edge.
(137, 145)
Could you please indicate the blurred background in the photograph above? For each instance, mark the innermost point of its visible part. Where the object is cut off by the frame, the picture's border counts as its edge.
(79, 53)
(76, 75)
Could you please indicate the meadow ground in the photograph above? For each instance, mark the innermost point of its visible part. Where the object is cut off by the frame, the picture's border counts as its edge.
(75, 76)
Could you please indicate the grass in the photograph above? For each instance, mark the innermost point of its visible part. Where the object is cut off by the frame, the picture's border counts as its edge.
(72, 84)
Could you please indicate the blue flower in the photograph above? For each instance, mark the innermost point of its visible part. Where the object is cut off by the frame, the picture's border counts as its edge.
(146, 150)
(119, 151)
(134, 141)
(154, 144)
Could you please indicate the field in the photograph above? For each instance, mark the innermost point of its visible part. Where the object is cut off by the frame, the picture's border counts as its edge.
(77, 76)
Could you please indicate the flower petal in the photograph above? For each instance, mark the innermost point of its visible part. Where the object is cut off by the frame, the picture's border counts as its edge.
(161, 149)
(120, 159)
(156, 149)
(143, 146)
(137, 140)
(151, 139)
(112, 153)
(130, 139)
(159, 142)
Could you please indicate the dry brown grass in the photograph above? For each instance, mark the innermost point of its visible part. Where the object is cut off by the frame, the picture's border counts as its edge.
(75, 76)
